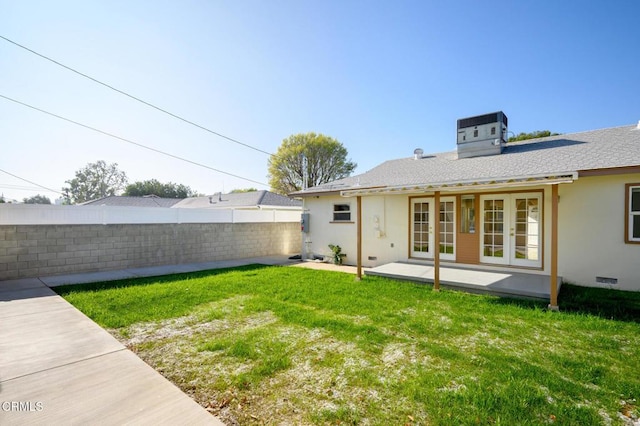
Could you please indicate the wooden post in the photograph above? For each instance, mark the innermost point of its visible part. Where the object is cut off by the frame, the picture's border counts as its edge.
(436, 252)
(553, 300)
(359, 243)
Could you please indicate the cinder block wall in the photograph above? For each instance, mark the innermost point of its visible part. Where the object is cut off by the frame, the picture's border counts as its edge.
(45, 250)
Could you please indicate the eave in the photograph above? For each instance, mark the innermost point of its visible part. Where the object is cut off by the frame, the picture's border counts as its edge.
(470, 185)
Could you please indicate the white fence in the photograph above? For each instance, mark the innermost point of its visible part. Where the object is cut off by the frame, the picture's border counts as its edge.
(35, 214)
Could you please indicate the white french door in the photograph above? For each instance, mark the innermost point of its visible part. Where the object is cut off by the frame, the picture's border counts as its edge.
(511, 232)
(422, 227)
(423, 215)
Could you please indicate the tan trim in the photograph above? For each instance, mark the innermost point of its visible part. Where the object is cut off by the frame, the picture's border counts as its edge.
(610, 171)
(359, 232)
(553, 302)
(627, 208)
(436, 239)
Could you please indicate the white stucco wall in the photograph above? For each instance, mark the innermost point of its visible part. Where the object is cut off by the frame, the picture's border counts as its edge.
(591, 233)
(384, 239)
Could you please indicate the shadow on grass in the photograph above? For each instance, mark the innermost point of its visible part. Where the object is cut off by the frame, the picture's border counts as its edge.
(142, 281)
(601, 302)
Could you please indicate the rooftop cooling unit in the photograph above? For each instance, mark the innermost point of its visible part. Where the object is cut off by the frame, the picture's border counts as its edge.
(482, 135)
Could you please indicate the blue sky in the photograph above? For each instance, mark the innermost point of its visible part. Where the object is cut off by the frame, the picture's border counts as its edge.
(381, 77)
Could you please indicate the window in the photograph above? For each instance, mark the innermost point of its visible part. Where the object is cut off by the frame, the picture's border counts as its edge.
(468, 213)
(341, 213)
(633, 213)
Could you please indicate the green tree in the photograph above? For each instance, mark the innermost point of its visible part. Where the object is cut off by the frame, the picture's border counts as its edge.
(37, 199)
(164, 190)
(95, 180)
(326, 160)
(241, 190)
(532, 135)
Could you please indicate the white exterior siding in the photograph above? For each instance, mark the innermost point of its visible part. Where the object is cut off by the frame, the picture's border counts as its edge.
(591, 233)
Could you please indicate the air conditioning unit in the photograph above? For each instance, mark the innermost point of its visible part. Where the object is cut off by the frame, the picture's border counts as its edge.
(482, 135)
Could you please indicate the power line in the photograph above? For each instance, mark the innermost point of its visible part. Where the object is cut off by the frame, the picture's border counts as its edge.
(131, 142)
(135, 98)
(28, 181)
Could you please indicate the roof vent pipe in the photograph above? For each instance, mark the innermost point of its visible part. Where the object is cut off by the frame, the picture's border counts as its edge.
(417, 153)
(638, 124)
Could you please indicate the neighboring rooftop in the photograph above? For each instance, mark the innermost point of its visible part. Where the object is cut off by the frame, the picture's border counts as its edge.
(124, 201)
(240, 200)
(254, 199)
(555, 155)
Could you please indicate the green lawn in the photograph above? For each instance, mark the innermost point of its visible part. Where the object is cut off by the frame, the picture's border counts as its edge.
(284, 345)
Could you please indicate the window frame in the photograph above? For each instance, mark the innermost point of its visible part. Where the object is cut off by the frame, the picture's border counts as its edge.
(335, 211)
(629, 214)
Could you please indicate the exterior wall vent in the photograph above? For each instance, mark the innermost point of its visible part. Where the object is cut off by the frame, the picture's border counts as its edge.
(482, 135)
(606, 280)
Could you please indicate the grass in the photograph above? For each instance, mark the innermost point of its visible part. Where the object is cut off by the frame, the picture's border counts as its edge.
(282, 345)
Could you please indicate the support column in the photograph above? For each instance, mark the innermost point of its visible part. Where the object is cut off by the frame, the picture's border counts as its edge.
(359, 237)
(553, 300)
(436, 238)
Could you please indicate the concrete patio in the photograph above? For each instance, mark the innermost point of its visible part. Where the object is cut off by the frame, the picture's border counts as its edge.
(505, 284)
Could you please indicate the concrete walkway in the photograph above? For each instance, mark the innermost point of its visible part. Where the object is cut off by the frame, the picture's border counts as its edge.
(59, 367)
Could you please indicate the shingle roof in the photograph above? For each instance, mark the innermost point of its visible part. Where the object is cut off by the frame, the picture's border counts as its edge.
(124, 201)
(592, 150)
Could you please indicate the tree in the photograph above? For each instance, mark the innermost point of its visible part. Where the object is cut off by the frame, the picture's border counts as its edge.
(164, 190)
(94, 181)
(241, 190)
(326, 160)
(532, 135)
(37, 199)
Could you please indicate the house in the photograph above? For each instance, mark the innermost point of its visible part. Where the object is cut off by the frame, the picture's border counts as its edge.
(255, 200)
(562, 206)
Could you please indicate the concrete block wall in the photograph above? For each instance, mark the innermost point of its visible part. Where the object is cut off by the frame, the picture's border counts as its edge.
(45, 250)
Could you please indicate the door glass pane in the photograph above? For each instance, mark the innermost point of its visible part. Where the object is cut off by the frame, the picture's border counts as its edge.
(527, 230)
(421, 227)
(492, 246)
(446, 227)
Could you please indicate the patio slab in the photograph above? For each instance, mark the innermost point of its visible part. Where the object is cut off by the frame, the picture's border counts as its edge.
(500, 283)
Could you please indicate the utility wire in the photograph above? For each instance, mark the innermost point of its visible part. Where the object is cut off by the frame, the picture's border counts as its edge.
(135, 98)
(32, 183)
(130, 141)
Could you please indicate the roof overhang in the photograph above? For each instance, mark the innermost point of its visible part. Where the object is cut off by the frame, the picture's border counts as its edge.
(471, 185)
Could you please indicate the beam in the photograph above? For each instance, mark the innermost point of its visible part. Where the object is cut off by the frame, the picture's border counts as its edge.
(436, 238)
(553, 300)
(359, 237)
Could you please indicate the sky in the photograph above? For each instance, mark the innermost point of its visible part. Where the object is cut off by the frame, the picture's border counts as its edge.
(381, 77)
